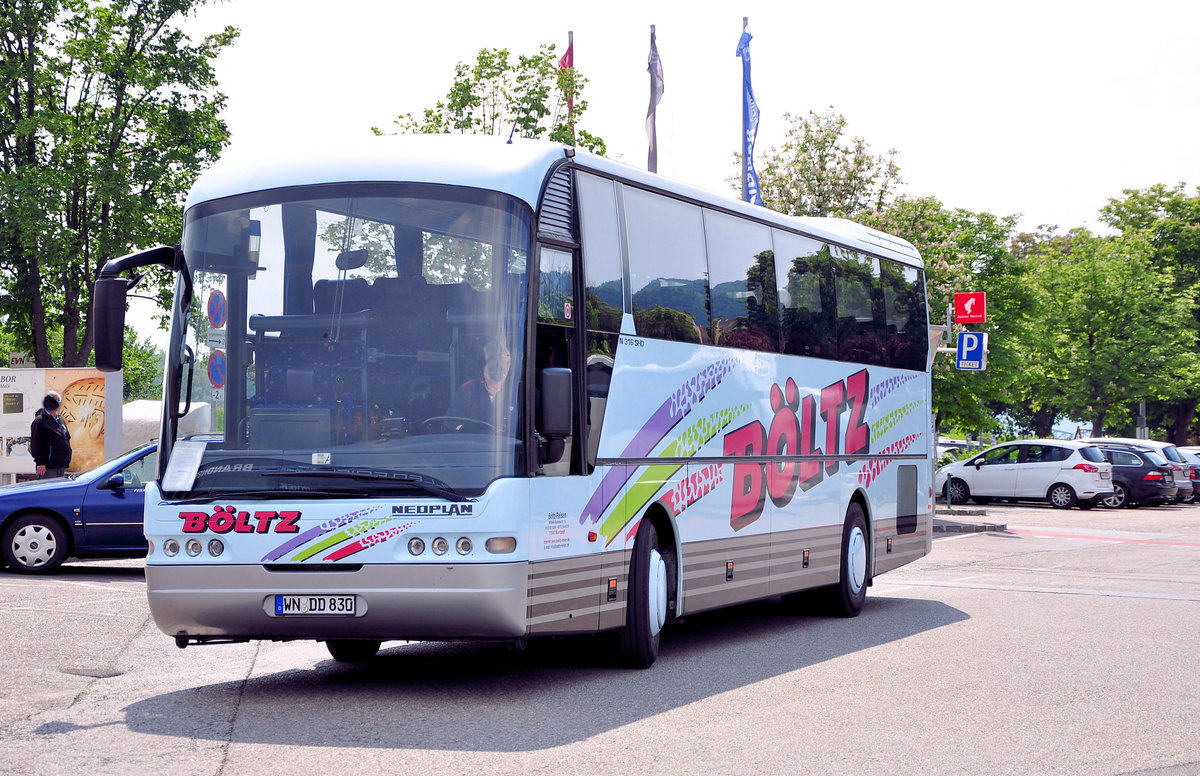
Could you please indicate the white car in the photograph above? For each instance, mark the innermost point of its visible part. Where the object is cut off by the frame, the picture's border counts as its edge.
(1064, 473)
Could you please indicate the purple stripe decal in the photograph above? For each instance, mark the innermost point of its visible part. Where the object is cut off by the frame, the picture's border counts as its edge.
(665, 418)
(314, 532)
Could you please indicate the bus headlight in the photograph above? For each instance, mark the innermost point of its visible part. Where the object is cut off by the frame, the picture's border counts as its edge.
(416, 545)
(464, 546)
(501, 545)
(440, 546)
(150, 548)
(171, 547)
(193, 547)
(215, 547)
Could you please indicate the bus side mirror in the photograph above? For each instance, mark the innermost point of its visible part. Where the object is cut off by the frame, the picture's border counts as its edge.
(554, 411)
(108, 301)
(108, 314)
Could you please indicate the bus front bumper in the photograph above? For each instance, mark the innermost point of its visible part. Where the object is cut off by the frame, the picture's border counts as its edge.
(418, 601)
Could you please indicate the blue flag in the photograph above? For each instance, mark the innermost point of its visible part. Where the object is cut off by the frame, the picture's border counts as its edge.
(749, 123)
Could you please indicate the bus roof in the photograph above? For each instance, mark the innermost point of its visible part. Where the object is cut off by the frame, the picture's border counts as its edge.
(489, 162)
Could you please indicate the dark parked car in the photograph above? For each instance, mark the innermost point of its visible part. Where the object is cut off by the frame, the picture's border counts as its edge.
(1139, 477)
(94, 514)
(1189, 455)
(1183, 478)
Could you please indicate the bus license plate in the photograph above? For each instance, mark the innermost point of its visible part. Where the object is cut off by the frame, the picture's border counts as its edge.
(286, 605)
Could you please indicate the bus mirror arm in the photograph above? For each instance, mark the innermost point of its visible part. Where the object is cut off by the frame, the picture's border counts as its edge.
(554, 411)
(108, 299)
(189, 359)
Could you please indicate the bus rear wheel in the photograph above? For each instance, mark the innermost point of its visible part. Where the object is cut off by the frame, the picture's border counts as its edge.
(646, 606)
(352, 651)
(846, 598)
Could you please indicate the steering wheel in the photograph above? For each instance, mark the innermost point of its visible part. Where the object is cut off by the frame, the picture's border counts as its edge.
(444, 423)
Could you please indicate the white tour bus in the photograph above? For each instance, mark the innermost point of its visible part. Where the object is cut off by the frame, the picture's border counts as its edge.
(463, 388)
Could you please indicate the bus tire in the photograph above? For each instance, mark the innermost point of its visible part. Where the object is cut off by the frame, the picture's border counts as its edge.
(35, 544)
(646, 605)
(352, 651)
(846, 598)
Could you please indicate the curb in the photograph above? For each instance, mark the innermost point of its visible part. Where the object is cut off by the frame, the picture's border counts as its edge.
(941, 525)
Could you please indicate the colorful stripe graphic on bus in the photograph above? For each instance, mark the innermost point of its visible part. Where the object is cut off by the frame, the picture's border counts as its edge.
(686, 445)
(805, 425)
(317, 531)
(665, 418)
(873, 468)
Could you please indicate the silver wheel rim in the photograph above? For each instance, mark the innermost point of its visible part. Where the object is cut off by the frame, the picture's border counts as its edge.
(657, 592)
(1060, 497)
(856, 560)
(34, 545)
(956, 494)
(1117, 499)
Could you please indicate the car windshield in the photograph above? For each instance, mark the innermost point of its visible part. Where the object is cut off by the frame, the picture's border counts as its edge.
(335, 329)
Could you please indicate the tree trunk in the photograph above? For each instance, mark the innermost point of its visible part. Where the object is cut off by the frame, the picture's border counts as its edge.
(1043, 422)
(1181, 413)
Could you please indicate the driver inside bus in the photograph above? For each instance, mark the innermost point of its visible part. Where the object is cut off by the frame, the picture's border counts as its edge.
(485, 399)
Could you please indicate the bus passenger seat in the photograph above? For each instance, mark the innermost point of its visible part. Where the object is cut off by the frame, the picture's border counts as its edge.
(355, 295)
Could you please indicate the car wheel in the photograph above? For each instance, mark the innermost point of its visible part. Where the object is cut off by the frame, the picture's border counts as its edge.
(35, 544)
(1119, 497)
(351, 651)
(1061, 496)
(958, 490)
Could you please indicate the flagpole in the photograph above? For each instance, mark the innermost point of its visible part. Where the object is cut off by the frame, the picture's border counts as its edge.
(571, 100)
(745, 129)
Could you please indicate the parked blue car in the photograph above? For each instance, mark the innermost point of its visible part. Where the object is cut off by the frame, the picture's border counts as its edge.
(94, 514)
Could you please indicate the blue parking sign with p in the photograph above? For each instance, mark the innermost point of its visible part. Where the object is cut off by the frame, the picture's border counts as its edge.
(972, 350)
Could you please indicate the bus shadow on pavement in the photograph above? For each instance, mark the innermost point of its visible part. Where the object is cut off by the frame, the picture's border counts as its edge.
(473, 696)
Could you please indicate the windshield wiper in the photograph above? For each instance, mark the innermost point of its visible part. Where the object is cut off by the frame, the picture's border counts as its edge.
(198, 497)
(434, 488)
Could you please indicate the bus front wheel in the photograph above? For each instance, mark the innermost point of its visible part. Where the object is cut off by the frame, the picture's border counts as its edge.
(352, 651)
(646, 605)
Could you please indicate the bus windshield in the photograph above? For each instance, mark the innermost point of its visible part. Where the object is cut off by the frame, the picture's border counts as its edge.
(355, 338)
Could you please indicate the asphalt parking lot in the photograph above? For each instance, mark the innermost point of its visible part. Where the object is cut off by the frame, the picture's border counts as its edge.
(1062, 643)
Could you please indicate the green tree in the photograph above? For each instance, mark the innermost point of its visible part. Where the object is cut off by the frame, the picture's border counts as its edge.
(1169, 219)
(109, 113)
(143, 367)
(530, 97)
(818, 171)
(967, 251)
(1116, 333)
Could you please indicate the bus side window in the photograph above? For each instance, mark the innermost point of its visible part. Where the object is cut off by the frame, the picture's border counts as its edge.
(806, 300)
(904, 309)
(859, 308)
(668, 273)
(741, 272)
(604, 296)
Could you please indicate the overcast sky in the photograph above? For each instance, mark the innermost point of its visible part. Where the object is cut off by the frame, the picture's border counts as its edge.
(1038, 107)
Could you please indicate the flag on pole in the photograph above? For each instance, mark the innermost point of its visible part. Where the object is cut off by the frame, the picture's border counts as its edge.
(750, 190)
(654, 67)
(568, 59)
(567, 62)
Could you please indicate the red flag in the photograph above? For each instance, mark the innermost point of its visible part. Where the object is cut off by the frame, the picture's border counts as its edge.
(568, 61)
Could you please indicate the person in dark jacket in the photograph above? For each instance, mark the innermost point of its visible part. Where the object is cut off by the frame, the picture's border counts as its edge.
(485, 399)
(49, 440)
